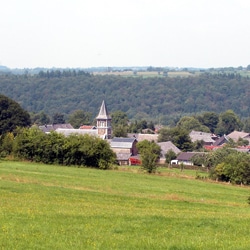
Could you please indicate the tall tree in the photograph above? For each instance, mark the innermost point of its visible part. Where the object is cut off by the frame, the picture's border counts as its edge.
(228, 122)
(190, 123)
(178, 136)
(150, 153)
(79, 117)
(12, 115)
(58, 118)
(210, 120)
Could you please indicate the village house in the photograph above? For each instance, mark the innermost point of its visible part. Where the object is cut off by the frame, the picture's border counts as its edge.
(206, 138)
(124, 149)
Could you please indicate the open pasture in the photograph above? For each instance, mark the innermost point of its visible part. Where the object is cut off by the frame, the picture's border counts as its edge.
(52, 207)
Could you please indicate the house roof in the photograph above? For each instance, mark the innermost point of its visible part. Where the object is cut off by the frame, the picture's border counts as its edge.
(52, 127)
(199, 135)
(168, 145)
(87, 127)
(223, 139)
(186, 156)
(68, 132)
(103, 113)
(148, 137)
(235, 135)
(121, 142)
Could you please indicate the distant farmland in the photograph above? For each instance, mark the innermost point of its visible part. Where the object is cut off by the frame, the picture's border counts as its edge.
(148, 73)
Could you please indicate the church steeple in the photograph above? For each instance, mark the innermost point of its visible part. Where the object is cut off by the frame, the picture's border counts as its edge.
(103, 113)
(104, 122)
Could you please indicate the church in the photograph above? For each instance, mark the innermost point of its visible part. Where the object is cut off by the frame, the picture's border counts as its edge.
(102, 129)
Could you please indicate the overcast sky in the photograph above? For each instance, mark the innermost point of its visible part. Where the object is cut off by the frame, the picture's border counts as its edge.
(91, 33)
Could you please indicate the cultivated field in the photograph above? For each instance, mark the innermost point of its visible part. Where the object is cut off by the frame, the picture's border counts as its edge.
(52, 207)
(148, 73)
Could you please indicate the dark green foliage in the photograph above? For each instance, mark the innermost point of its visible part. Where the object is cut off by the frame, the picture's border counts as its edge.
(190, 123)
(228, 122)
(170, 155)
(54, 148)
(210, 120)
(120, 131)
(150, 153)
(178, 136)
(58, 118)
(40, 118)
(119, 123)
(158, 99)
(12, 115)
(234, 168)
(79, 117)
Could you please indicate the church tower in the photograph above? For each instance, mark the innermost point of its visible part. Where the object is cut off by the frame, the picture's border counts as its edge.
(104, 122)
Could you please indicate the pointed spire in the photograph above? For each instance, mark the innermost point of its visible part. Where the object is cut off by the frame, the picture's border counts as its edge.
(103, 113)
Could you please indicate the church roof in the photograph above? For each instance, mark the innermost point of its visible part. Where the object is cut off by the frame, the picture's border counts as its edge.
(103, 113)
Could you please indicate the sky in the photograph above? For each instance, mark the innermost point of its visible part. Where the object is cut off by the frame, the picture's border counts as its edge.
(109, 33)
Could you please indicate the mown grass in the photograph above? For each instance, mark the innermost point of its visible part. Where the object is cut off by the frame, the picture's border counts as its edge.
(52, 207)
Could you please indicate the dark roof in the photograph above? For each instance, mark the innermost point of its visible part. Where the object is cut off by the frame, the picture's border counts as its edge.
(121, 142)
(123, 139)
(223, 139)
(103, 113)
(186, 156)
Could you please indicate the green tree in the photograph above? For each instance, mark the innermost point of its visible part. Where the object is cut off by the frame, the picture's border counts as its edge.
(178, 136)
(12, 115)
(150, 153)
(228, 122)
(6, 144)
(190, 123)
(119, 118)
(210, 120)
(246, 125)
(40, 119)
(79, 117)
(120, 131)
(119, 123)
(58, 118)
(235, 168)
(170, 155)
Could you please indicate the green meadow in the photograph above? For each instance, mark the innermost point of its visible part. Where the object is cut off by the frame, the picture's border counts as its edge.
(52, 207)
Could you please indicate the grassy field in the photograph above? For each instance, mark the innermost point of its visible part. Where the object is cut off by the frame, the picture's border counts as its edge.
(52, 207)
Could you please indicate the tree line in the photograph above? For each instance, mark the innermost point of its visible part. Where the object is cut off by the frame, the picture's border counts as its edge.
(163, 100)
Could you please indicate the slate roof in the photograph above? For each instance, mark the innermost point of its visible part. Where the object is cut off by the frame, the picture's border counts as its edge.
(223, 139)
(52, 127)
(120, 142)
(103, 113)
(186, 156)
(199, 135)
(166, 146)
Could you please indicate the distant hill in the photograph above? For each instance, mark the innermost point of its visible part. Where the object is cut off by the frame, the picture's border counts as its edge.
(154, 98)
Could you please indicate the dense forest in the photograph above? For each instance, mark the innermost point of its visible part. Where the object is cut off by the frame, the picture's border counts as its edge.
(161, 99)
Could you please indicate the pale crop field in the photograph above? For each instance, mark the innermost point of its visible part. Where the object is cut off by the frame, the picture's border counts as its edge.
(52, 207)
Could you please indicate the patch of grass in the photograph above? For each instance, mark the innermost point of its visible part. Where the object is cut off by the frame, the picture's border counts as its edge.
(52, 207)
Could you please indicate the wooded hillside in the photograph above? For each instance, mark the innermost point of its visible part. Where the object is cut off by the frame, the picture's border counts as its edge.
(153, 98)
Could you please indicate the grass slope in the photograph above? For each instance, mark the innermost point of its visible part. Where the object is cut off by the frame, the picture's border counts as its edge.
(51, 207)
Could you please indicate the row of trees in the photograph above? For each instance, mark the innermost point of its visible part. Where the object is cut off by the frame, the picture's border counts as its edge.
(226, 164)
(54, 148)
